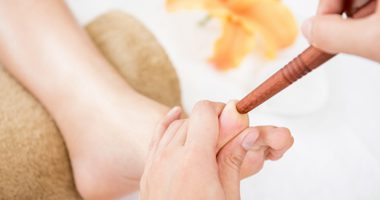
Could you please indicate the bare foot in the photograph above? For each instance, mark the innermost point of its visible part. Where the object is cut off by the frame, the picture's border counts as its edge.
(108, 139)
(112, 142)
(108, 133)
(105, 124)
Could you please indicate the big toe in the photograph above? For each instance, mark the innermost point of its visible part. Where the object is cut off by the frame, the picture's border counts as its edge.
(231, 123)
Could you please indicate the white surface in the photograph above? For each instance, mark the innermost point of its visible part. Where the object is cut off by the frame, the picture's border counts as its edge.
(334, 114)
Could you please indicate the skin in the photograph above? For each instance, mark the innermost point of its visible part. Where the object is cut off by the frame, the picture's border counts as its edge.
(42, 46)
(330, 32)
(184, 161)
(165, 177)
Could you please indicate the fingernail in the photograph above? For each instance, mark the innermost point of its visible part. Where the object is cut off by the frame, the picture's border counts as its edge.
(250, 140)
(306, 28)
(174, 111)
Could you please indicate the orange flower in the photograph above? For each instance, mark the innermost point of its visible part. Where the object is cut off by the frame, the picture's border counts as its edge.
(267, 24)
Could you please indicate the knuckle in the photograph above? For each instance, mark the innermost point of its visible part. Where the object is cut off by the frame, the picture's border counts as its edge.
(232, 160)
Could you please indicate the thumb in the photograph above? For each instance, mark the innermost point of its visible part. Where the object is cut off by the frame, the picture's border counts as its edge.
(230, 160)
(334, 34)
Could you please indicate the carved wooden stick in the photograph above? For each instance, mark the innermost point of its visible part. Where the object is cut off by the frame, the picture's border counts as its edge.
(304, 63)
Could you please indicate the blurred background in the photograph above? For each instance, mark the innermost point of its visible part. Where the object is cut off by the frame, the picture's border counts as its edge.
(334, 113)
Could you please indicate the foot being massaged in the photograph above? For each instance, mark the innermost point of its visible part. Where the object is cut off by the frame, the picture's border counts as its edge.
(95, 112)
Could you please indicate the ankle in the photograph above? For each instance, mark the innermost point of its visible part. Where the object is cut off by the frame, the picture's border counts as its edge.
(93, 183)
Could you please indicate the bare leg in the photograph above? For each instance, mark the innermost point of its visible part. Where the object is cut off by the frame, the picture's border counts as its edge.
(106, 124)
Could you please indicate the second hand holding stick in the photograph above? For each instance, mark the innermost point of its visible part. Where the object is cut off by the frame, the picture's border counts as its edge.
(304, 63)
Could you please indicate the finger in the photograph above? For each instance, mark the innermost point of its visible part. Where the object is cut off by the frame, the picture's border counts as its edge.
(169, 134)
(272, 143)
(231, 123)
(274, 138)
(203, 130)
(330, 7)
(283, 141)
(180, 138)
(230, 160)
(252, 164)
(172, 115)
(334, 34)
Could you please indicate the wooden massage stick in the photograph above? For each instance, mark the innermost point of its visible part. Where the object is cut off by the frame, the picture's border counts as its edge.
(304, 63)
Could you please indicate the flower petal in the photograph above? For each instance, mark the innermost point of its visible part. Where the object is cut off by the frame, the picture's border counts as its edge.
(239, 5)
(268, 23)
(172, 5)
(234, 44)
(275, 20)
(215, 8)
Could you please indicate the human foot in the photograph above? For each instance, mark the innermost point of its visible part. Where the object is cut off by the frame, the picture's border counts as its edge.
(111, 157)
(108, 139)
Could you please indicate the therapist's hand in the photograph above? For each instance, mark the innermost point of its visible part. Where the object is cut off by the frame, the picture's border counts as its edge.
(270, 144)
(330, 32)
(184, 162)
